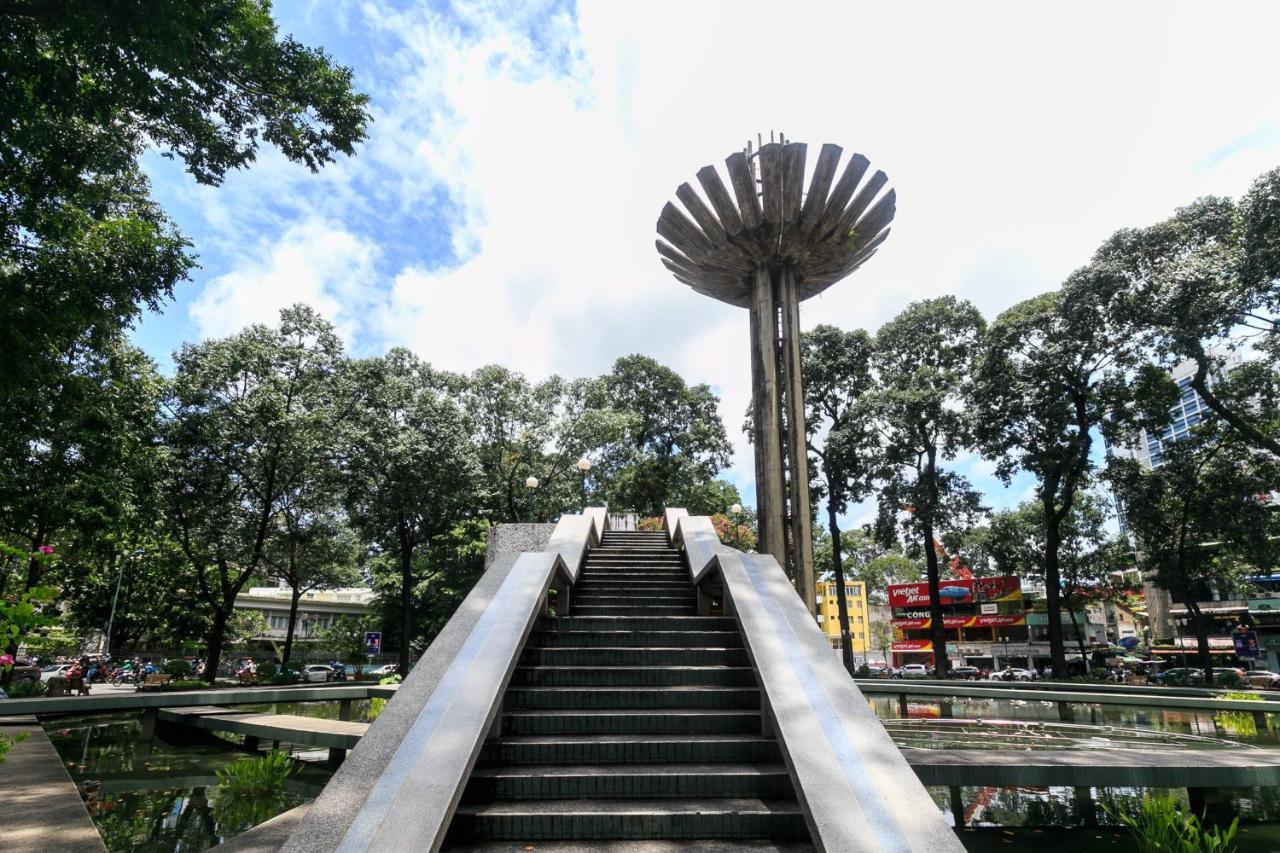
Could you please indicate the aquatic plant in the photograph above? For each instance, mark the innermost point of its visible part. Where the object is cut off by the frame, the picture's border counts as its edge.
(252, 790)
(1161, 827)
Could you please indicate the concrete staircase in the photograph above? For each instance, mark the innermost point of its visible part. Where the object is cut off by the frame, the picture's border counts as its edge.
(634, 720)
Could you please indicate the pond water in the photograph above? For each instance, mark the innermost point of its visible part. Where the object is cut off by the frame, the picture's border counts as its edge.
(165, 799)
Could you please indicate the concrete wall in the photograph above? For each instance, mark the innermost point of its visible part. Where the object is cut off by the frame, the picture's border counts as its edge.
(515, 539)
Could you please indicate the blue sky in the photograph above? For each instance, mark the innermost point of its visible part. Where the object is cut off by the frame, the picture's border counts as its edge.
(502, 209)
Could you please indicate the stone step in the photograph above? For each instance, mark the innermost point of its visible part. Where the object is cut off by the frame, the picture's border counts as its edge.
(642, 598)
(633, 676)
(634, 622)
(610, 580)
(628, 781)
(629, 609)
(632, 591)
(632, 656)
(607, 820)
(630, 749)
(679, 576)
(692, 845)
(643, 638)
(631, 698)
(701, 721)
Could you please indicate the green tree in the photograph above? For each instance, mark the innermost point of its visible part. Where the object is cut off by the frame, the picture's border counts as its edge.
(1200, 285)
(674, 440)
(837, 377)
(923, 361)
(524, 429)
(311, 547)
(880, 638)
(78, 461)
(444, 571)
(1200, 520)
(251, 416)
(412, 471)
(1049, 373)
(89, 85)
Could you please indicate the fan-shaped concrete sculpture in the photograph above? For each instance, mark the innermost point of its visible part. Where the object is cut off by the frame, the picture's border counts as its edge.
(767, 247)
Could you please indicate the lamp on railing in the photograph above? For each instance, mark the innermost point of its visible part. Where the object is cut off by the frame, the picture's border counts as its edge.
(584, 465)
(735, 511)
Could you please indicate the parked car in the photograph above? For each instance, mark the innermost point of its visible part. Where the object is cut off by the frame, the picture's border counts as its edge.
(26, 669)
(966, 673)
(1264, 678)
(1178, 676)
(1012, 673)
(880, 671)
(317, 672)
(383, 671)
(913, 670)
(55, 670)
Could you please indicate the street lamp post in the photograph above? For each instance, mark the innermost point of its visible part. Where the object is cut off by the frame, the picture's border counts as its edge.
(1005, 637)
(106, 641)
(735, 510)
(584, 466)
(531, 483)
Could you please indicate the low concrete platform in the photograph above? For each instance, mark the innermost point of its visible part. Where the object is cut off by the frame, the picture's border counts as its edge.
(1103, 768)
(309, 731)
(266, 837)
(43, 810)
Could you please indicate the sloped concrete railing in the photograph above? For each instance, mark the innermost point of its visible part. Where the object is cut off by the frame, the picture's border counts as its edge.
(400, 786)
(857, 790)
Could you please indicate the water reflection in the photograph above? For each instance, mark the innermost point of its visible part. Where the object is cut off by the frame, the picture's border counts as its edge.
(159, 801)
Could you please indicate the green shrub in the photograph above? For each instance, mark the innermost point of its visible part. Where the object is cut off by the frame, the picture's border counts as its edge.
(268, 671)
(7, 741)
(188, 684)
(1161, 827)
(863, 671)
(177, 667)
(284, 676)
(25, 688)
(391, 679)
(1227, 679)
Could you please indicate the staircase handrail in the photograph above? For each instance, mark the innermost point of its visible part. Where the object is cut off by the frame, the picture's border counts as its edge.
(856, 789)
(400, 786)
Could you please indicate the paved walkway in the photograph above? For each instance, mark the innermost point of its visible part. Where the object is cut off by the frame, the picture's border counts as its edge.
(43, 811)
(310, 731)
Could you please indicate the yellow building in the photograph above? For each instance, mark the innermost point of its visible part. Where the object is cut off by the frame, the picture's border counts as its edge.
(829, 614)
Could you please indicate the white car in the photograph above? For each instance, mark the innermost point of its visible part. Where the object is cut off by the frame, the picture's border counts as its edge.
(317, 672)
(54, 670)
(382, 671)
(913, 670)
(1012, 673)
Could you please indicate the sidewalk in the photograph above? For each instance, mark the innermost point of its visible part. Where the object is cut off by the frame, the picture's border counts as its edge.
(43, 809)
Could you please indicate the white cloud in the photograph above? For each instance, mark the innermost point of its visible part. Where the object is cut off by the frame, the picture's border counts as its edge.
(316, 263)
(1017, 135)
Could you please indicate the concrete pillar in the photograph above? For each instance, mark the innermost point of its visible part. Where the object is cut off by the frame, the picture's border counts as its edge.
(902, 706)
(149, 718)
(797, 454)
(957, 805)
(251, 743)
(765, 406)
(1065, 713)
(344, 710)
(1085, 806)
(336, 757)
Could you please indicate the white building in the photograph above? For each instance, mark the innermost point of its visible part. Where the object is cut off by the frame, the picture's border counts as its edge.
(316, 610)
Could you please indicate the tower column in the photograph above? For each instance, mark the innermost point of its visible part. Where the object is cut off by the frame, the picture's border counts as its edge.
(797, 452)
(766, 407)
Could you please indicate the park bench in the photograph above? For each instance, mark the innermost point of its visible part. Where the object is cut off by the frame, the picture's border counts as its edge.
(155, 681)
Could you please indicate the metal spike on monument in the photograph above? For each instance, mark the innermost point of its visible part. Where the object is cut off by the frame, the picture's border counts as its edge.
(766, 245)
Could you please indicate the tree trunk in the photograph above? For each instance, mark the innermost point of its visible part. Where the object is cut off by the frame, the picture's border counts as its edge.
(406, 606)
(216, 635)
(294, 595)
(1053, 588)
(937, 631)
(842, 603)
(1202, 640)
(1084, 657)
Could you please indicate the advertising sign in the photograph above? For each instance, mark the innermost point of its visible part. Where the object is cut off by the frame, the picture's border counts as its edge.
(1246, 643)
(999, 620)
(912, 646)
(988, 609)
(372, 642)
(958, 591)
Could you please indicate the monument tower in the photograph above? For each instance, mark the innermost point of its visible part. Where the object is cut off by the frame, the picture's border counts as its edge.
(767, 247)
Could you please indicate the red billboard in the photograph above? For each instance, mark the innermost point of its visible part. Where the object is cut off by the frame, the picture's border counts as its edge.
(957, 591)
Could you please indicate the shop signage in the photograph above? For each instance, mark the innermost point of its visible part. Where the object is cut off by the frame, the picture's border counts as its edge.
(958, 591)
(1246, 644)
(988, 609)
(912, 646)
(373, 643)
(1000, 620)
